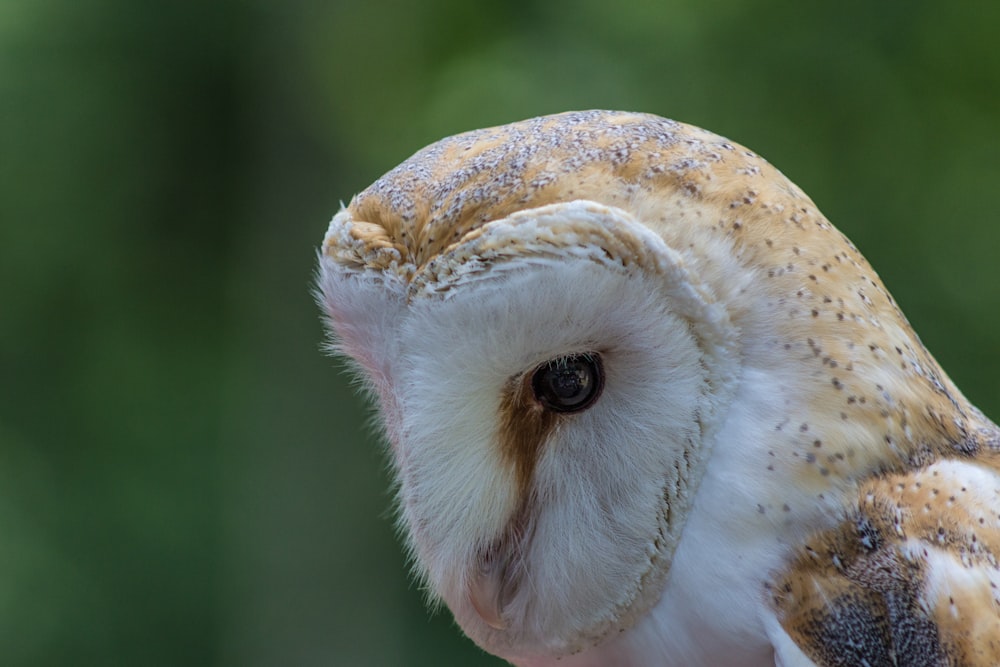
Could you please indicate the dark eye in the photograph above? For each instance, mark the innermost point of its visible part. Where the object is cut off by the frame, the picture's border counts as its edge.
(569, 384)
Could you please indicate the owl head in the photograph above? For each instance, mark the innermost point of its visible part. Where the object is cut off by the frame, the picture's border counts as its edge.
(567, 323)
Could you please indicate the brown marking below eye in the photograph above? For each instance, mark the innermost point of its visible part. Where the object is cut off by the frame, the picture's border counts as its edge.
(524, 426)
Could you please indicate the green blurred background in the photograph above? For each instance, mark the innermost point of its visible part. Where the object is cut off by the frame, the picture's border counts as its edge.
(184, 478)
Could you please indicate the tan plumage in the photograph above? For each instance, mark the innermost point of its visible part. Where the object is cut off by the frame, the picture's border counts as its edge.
(909, 578)
(821, 493)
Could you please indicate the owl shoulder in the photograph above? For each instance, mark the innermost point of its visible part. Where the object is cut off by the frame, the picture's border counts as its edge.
(909, 577)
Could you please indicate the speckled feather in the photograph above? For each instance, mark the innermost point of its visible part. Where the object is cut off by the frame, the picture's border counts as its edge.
(877, 478)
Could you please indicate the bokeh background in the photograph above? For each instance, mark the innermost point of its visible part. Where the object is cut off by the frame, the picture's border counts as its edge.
(184, 478)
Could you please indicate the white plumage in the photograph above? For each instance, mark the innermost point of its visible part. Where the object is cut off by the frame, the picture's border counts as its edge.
(646, 406)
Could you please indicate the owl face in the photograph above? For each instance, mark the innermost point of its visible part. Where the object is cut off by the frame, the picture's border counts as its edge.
(583, 330)
(542, 471)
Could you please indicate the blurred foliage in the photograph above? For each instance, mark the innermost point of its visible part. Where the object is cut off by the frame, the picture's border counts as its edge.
(184, 479)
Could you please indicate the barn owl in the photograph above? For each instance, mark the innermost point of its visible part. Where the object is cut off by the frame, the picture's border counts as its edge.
(645, 405)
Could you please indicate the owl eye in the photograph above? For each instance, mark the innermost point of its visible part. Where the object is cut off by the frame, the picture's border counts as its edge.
(569, 384)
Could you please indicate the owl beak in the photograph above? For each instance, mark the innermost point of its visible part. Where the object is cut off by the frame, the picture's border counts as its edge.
(497, 573)
(486, 590)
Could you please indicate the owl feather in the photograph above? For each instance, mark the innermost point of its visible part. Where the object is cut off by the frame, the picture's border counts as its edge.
(647, 406)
